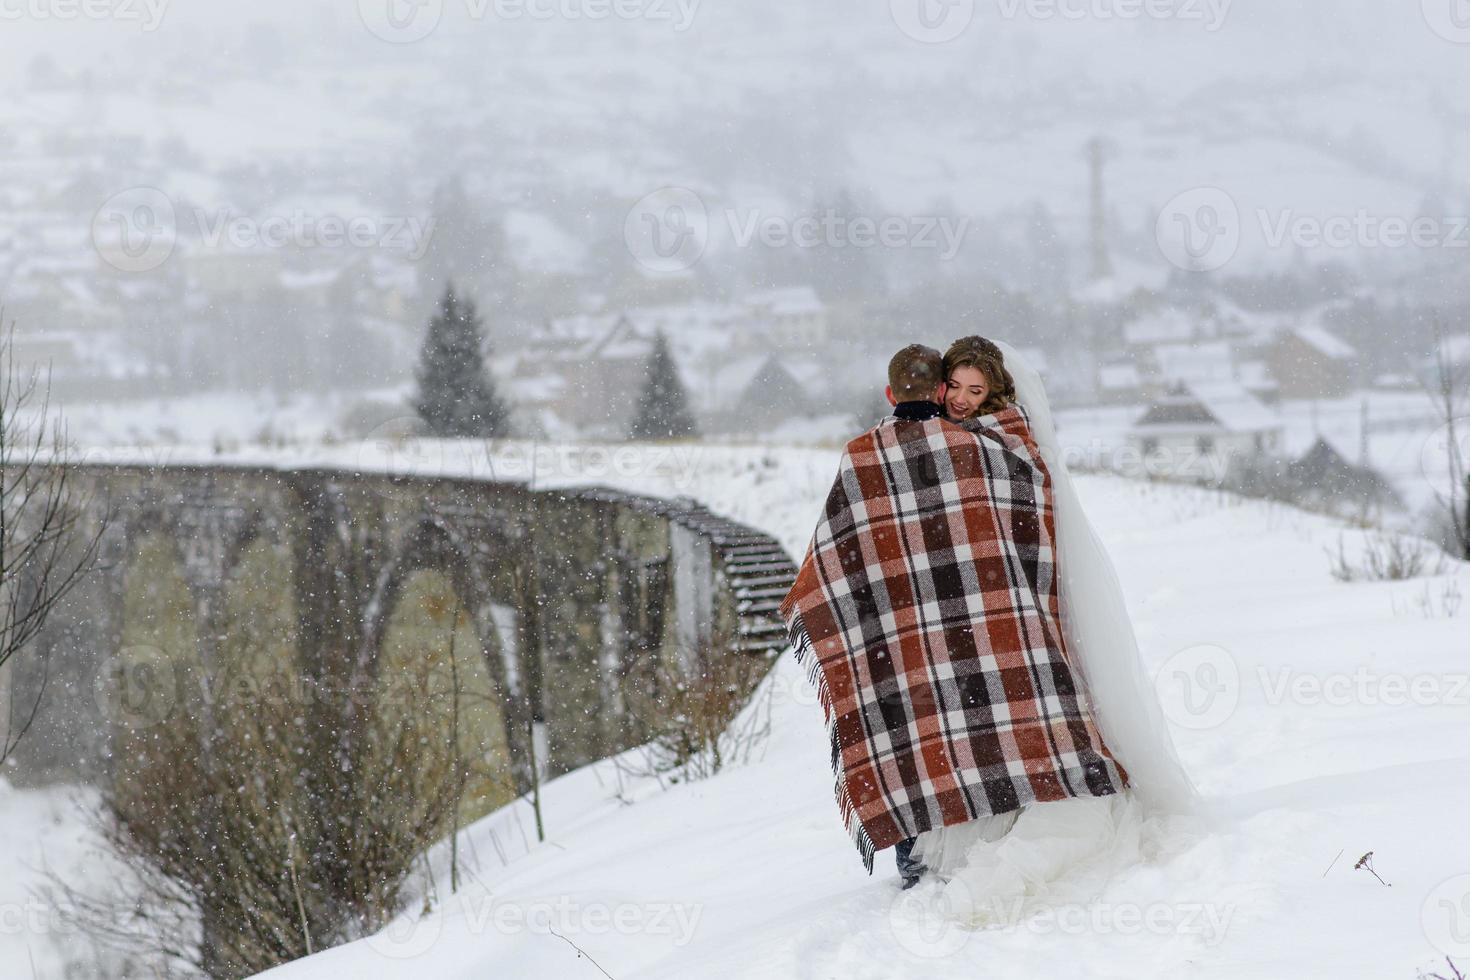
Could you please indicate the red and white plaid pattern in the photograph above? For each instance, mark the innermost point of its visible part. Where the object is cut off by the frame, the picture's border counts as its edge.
(927, 613)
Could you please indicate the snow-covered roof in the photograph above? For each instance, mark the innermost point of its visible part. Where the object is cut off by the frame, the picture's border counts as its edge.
(1255, 374)
(1324, 342)
(787, 301)
(730, 381)
(82, 260)
(1395, 380)
(538, 242)
(534, 389)
(1113, 377)
(1128, 277)
(312, 279)
(700, 333)
(1205, 362)
(1159, 326)
(1236, 408)
(580, 327)
(1209, 406)
(1456, 348)
(624, 340)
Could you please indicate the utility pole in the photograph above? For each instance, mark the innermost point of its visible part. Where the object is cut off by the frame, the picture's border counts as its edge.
(1101, 266)
(1363, 434)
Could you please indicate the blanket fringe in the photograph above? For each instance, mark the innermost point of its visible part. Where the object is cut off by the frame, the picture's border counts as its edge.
(806, 655)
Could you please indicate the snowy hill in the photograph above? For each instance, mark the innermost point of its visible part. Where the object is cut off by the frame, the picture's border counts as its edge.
(1353, 107)
(1336, 728)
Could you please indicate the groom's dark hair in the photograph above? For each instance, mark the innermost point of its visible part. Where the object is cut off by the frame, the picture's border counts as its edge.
(915, 372)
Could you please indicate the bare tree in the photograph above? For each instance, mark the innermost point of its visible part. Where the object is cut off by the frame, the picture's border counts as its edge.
(1449, 391)
(45, 548)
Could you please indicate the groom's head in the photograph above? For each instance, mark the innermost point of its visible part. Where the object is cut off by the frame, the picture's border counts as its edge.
(916, 374)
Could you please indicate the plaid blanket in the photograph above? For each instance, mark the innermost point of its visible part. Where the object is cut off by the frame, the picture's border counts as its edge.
(927, 614)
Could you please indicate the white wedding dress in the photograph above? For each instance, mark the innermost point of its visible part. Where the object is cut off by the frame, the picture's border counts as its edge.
(1064, 851)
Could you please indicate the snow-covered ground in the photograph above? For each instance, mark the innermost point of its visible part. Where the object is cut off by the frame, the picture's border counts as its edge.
(45, 832)
(1329, 718)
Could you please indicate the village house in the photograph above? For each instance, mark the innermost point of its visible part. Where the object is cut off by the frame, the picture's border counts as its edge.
(1309, 362)
(741, 362)
(1193, 430)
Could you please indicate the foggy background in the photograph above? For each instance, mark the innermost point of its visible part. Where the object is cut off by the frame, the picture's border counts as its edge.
(1138, 194)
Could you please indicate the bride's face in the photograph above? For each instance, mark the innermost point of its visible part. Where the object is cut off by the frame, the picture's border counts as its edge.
(965, 392)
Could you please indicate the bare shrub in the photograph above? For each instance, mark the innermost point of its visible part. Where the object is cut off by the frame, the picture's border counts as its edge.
(1454, 973)
(1386, 557)
(244, 847)
(1448, 389)
(695, 716)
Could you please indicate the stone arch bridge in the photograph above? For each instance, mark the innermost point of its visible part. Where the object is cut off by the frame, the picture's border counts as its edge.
(574, 596)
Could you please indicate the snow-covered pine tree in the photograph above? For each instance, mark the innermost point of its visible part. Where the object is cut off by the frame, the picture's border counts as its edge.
(456, 396)
(663, 408)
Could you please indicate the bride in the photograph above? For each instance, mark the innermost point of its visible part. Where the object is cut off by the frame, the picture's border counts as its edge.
(1063, 850)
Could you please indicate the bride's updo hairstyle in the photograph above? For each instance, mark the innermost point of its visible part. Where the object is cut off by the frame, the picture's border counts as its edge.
(985, 357)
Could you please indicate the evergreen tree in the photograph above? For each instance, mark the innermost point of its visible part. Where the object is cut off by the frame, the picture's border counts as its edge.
(663, 408)
(455, 394)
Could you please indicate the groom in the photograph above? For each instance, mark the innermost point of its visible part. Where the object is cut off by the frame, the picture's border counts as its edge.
(916, 387)
(926, 613)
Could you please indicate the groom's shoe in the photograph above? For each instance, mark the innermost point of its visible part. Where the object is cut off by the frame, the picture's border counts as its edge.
(909, 869)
